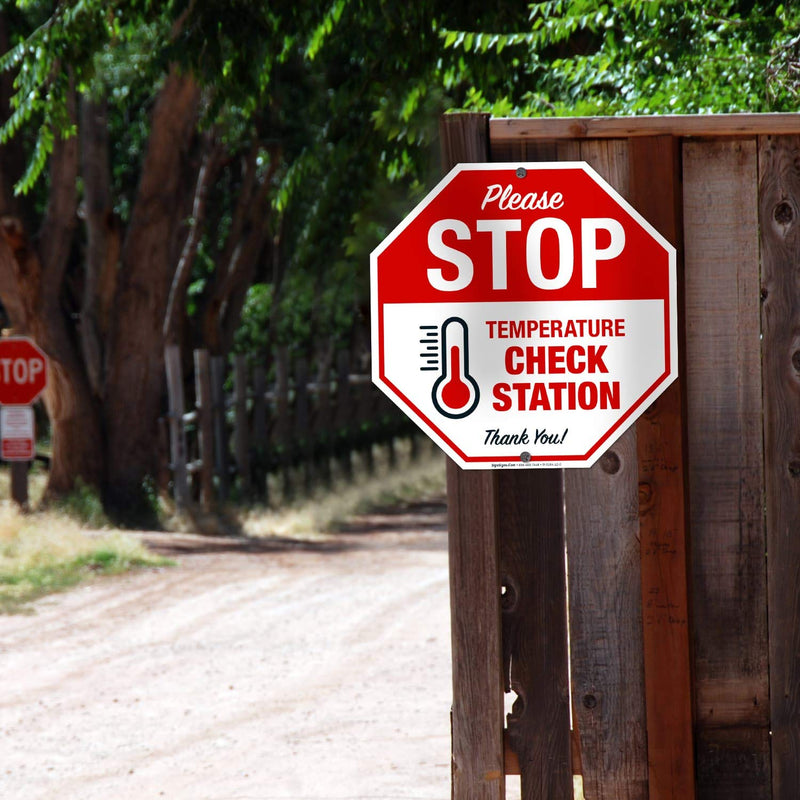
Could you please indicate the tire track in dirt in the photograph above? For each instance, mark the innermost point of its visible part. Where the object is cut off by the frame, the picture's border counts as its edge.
(252, 670)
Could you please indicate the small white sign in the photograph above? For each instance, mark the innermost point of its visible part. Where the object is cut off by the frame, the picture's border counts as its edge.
(18, 442)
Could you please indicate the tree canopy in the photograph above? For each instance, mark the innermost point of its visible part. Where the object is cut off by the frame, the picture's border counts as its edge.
(216, 173)
(582, 57)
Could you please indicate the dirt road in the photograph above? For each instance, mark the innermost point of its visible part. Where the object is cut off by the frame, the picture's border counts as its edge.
(252, 671)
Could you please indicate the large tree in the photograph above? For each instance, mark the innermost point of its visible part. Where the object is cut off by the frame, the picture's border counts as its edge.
(174, 89)
(150, 148)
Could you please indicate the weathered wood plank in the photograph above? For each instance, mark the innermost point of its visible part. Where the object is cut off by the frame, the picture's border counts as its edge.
(533, 577)
(504, 131)
(779, 214)
(532, 569)
(303, 434)
(177, 436)
(723, 386)
(242, 433)
(323, 417)
(477, 715)
(282, 431)
(606, 624)
(464, 138)
(343, 415)
(655, 191)
(605, 588)
(261, 449)
(218, 364)
(19, 483)
(205, 426)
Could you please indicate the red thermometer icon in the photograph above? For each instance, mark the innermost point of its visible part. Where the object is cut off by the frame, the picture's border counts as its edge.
(455, 393)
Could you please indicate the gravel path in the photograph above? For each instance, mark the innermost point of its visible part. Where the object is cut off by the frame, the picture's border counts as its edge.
(255, 670)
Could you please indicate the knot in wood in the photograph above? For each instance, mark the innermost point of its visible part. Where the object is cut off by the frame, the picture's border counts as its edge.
(610, 463)
(783, 213)
(509, 596)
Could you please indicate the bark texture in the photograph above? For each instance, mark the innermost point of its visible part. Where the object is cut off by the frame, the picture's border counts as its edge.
(135, 359)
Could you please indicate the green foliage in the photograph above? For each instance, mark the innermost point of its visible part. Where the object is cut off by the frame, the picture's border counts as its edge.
(583, 57)
(18, 588)
(253, 333)
(43, 553)
(84, 505)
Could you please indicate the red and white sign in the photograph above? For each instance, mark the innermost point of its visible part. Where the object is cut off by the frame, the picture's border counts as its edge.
(17, 435)
(524, 315)
(23, 371)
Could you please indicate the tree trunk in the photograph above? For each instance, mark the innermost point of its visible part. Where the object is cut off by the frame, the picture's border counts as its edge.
(134, 386)
(31, 283)
(74, 415)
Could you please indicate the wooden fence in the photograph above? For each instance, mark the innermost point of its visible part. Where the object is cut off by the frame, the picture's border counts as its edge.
(680, 678)
(293, 425)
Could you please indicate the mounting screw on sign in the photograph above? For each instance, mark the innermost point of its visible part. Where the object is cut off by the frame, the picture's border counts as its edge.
(23, 371)
(524, 315)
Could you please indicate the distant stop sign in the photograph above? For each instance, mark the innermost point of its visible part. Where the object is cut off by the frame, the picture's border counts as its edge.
(23, 371)
(524, 315)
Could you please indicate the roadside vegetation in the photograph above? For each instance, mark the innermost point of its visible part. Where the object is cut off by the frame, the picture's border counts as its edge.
(60, 545)
(320, 514)
(53, 548)
(48, 552)
(281, 143)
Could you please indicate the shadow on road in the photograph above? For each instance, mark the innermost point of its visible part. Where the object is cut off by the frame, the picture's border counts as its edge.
(414, 526)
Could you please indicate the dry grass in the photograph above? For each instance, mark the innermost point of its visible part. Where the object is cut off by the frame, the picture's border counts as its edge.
(315, 516)
(47, 552)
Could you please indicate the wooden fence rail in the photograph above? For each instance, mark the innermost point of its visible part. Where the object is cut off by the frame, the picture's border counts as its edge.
(228, 441)
(683, 541)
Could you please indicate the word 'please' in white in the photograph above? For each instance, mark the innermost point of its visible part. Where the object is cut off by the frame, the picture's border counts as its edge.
(507, 199)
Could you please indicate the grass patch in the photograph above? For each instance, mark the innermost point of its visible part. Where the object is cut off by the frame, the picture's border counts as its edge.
(315, 516)
(46, 552)
(84, 505)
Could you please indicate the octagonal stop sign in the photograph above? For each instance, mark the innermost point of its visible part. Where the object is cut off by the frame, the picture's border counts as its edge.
(23, 371)
(524, 315)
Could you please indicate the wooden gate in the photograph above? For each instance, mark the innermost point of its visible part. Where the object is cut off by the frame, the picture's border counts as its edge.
(673, 671)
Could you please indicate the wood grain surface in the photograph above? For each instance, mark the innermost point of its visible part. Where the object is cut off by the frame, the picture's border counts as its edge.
(477, 715)
(660, 436)
(723, 374)
(779, 216)
(605, 588)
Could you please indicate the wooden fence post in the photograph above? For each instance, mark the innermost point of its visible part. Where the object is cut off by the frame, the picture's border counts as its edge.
(723, 378)
(242, 433)
(260, 435)
(172, 361)
(19, 483)
(323, 424)
(220, 427)
(478, 769)
(282, 430)
(779, 206)
(663, 523)
(530, 523)
(302, 420)
(343, 414)
(205, 426)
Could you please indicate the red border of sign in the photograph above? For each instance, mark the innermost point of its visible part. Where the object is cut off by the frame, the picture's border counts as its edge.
(630, 416)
